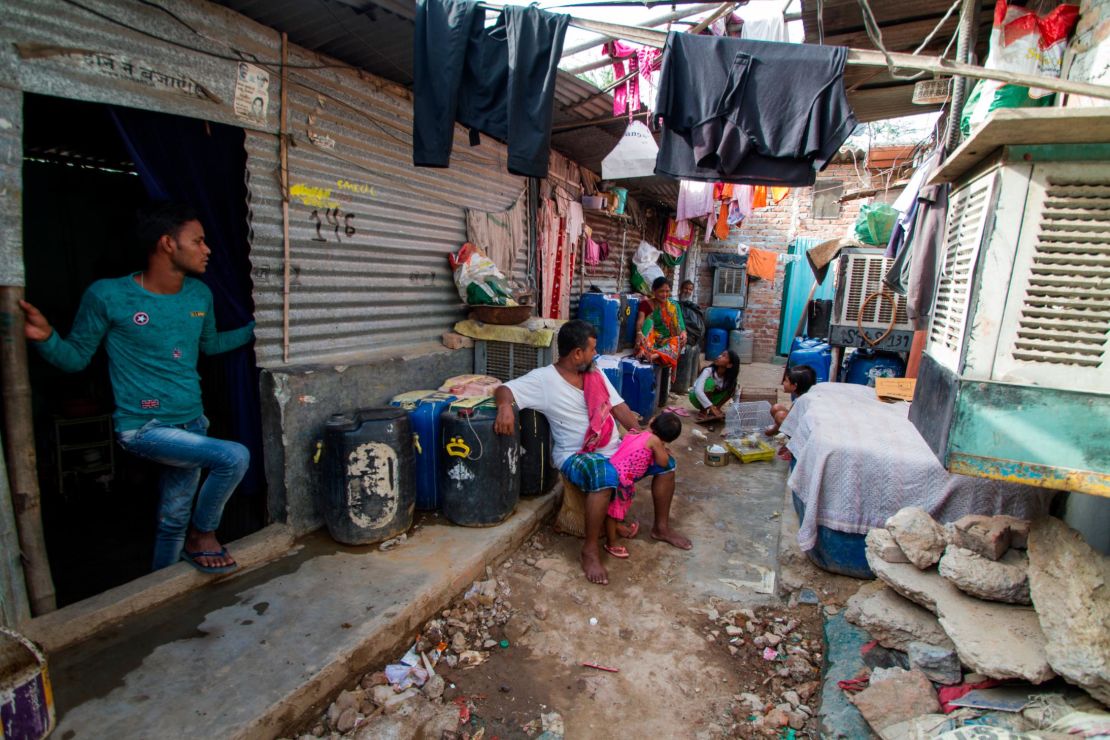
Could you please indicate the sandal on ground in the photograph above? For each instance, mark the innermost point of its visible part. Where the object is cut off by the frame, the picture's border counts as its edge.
(620, 551)
(191, 559)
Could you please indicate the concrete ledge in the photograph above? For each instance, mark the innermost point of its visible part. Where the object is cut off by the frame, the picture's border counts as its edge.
(251, 658)
(76, 622)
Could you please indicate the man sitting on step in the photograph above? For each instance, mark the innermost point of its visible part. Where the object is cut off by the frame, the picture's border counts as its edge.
(581, 405)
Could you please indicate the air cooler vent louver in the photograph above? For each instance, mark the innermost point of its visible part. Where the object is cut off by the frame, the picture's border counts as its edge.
(1065, 314)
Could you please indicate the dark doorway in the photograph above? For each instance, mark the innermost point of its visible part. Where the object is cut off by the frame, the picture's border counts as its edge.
(86, 168)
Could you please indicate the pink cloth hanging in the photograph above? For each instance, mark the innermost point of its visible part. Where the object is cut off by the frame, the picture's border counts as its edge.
(641, 61)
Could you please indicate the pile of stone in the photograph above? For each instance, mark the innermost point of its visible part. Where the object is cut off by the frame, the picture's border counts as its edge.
(413, 706)
(791, 668)
(956, 599)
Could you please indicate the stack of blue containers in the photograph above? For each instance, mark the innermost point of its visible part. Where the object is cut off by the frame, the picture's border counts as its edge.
(628, 319)
(603, 311)
(813, 352)
(864, 365)
(638, 387)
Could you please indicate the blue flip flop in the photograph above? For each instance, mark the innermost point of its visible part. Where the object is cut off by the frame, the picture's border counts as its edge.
(191, 559)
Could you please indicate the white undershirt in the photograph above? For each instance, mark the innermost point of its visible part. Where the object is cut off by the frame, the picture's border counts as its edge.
(546, 391)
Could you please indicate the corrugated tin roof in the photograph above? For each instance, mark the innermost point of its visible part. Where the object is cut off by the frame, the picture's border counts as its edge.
(873, 93)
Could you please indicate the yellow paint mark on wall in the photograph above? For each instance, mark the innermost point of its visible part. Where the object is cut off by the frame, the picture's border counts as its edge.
(360, 188)
(313, 196)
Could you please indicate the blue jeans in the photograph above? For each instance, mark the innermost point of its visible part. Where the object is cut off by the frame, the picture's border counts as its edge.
(184, 449)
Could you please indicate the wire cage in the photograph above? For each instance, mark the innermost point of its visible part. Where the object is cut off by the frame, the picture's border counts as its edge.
(745, 417)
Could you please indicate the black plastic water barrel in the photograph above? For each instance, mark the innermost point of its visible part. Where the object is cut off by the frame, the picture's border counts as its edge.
(687, 371)
(480, 469)
(537, 473)
(369, 486)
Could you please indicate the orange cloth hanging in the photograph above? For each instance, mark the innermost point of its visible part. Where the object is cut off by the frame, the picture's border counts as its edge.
(761, 263)
(720, 229)
(759, 197)
(777, 194)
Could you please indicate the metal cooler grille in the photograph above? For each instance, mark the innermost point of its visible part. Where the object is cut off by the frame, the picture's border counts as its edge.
(1065, 318)
(507, 360)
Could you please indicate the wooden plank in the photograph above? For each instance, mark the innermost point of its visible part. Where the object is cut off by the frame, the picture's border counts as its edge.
(1026, 126)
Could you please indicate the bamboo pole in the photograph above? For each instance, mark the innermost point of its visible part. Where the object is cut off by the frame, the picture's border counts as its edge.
(651, 23)
(871, 58)
(283, 150)
(13, 587)
(19, 453)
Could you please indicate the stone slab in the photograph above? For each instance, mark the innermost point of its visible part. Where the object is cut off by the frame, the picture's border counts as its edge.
(918, 535)
(999, 640)
(899, 697)
(1003, 579)
(1070, 584)
(248, 657)
(894, 620)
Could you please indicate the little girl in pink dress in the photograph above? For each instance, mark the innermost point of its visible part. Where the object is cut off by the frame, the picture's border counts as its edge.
(637, 453)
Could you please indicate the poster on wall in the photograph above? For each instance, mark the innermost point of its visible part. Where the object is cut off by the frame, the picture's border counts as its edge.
(252, 93)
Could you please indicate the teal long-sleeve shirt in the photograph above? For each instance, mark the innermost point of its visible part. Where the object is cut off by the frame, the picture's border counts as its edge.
(153, 343)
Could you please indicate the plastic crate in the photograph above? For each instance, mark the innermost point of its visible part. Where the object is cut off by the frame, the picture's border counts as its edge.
(750, 450)
(745, 417)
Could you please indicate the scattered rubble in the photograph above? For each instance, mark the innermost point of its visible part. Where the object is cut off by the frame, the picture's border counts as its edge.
(920, 538)
(406, 700)
(1005, 578)
(789, 657)
(1070, 585)
(987, 536)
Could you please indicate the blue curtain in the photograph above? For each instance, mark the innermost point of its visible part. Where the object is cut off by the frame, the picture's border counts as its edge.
(203, 164)
(799, 280)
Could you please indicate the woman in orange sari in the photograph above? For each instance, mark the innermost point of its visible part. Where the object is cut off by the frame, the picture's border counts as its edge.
(663, 335)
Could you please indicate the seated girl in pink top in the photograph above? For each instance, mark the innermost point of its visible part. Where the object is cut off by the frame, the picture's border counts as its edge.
(637, 453)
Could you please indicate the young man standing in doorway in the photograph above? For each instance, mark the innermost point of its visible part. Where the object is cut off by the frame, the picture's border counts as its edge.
(154, 324)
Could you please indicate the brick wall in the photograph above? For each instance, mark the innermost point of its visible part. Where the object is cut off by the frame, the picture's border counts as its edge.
(774, 228)
(1088, 55)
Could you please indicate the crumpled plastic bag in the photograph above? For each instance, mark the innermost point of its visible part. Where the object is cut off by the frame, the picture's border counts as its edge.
(875, 222)
(477, 278)
(645, 267)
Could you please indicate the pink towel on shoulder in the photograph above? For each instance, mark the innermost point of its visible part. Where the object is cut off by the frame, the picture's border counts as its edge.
(598, 407)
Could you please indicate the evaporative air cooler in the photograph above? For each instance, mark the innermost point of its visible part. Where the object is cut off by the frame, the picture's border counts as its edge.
(866, 313)
(1015, 380)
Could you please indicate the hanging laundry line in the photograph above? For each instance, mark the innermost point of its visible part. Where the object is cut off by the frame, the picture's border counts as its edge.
(867, 58)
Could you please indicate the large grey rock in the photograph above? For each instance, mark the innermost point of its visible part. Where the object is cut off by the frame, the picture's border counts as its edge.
(892, 619)
(881, 542)
(995, 639)
(1070, 585)
(1003, 580)
(902, 696)
(918, 535)
(939, 664)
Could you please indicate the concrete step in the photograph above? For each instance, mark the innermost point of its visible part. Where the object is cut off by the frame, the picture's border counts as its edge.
(249, 655)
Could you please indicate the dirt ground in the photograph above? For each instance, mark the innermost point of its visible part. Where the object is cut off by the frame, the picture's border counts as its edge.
(699, 649)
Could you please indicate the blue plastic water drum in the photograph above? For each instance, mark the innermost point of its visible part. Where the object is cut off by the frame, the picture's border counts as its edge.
(611, 366)
(814, 353)
(603, 311)
(719, 317)
(837, 552)
(865, 365)
(638, 386)
(424, 409)
(628, 319)
(716, 342)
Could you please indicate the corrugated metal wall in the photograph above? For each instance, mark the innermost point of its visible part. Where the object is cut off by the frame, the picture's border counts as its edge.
(370, 268)
(369, 233)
